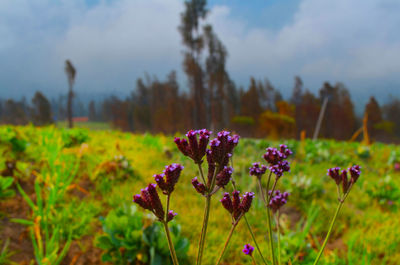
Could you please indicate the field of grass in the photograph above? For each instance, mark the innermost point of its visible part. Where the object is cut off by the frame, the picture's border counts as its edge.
(90, 125)
(70, 201)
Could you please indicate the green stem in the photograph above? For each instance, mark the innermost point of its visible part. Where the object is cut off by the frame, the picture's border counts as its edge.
(279, 239)
(329, 232)
(272, 191)
(227, 241)
(247, 222)
(271, 243)
(204, 229)
(170, 245)
(254, 240)
(202, 174)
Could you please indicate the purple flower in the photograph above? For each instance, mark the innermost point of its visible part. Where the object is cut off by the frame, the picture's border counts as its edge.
(246, 202)
(279, 168)
(257, 170)
(355, 172)
(224, 176)
(171, 174)
(155, 201)
(278, 200)
(171, 215)
(227, 202)
(200, 188)
(237, 206)
(221, 148)
(193, 147)
(248, 249)
(334, 173)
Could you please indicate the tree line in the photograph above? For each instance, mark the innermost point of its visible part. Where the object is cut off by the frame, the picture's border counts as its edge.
(212, 99)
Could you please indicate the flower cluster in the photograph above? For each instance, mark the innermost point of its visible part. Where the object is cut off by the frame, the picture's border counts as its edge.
(276, 159)
(341, 177)
(148, 198)
(224, 176)
(278, 200)
(248, 249)
(167, 180)
(218, 154)
(257, 170)
(236, 205)
(193, 147)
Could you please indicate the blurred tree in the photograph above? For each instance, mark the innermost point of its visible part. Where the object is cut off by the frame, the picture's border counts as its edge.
(41, 110)
(71, 73)
(297, 91)
(195, 11)
(374, 112)
(92, 111)
(391, 112)
(15, 113)
(339, 119)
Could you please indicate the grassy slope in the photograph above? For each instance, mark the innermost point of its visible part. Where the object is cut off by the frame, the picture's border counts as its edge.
(366, 226)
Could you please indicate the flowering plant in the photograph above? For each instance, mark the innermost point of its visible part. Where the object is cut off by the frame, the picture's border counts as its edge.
(218, 154)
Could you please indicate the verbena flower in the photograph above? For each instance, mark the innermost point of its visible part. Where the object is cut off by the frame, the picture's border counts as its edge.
(221, 148)
(171, 215)
(276, 159)
(248, 249)
(166, 181)
(278, 200)
(200, 188)
(237, 206)
(149, 200)
(342, 177)
(257, 170)
(224, 176)
(193, 147)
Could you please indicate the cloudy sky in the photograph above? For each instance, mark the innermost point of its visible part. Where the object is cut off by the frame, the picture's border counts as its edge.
(114, 42)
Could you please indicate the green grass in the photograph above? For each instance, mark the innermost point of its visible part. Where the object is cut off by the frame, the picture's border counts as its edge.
(366, 231)
(90, 125)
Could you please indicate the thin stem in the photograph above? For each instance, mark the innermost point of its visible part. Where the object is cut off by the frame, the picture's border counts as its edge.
(201, 173)
(204, 229)
(254, 239)
(227, 241)
(247, 222)
(271, 243)
(170, 245)
(279, 238)
(329, 232)
(272, 191)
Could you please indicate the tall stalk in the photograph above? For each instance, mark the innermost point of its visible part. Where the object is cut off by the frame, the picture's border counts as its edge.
(271, 243)
(279, 238)
(329, 232)
(227, 241)
(247, 223)
(170, 244)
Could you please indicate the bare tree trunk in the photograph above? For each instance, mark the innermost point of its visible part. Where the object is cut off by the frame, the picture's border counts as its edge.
(69, 107)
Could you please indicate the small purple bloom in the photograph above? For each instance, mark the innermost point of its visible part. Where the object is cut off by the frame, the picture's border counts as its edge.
(200, 188)
(334, 173)
(155, 201)
(246, 202)
(193, 147)
(278, 200)
(171, 215)
(224, 176)
(257, 170)
(355, 172)
(227, 202)
(248, 249)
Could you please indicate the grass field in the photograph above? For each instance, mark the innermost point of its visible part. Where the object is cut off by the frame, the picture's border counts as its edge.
(71, 200)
